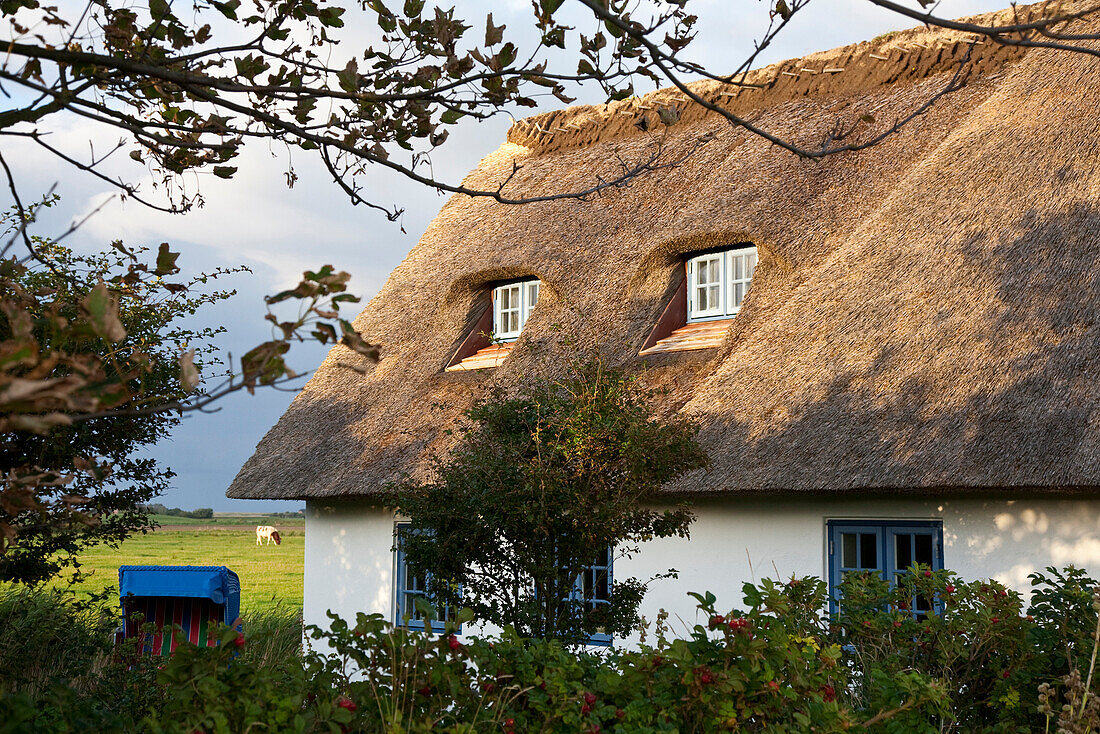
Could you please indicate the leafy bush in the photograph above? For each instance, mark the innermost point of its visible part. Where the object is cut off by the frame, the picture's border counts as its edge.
(781, 663)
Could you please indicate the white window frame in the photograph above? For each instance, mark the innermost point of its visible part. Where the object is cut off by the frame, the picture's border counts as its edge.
(528, 295)
(724, 306)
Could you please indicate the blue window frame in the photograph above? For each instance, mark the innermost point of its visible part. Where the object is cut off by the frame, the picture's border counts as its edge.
(885, 547)
(409, 586)
(593, 588)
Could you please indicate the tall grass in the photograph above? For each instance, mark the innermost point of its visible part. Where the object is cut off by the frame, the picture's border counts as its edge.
(273, 635)
(51, 638)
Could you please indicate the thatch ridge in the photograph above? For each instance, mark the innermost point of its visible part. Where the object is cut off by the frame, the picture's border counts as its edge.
(893, 58)
(923, 318)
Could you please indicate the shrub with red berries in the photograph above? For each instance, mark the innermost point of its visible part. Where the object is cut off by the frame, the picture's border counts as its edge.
(791, 659)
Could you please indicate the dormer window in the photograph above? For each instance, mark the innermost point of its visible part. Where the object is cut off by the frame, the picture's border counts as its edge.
(496, 320)
(700, 312)
(718, 282)
(512, 305)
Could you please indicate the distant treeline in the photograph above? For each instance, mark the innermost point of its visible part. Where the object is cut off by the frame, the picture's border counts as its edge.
(203, 513)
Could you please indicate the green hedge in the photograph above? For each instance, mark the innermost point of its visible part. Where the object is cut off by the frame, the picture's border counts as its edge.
(780, 663)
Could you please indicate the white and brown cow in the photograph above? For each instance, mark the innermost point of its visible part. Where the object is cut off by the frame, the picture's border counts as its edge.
(268, 533)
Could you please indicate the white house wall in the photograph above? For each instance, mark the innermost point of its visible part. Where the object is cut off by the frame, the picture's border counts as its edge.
(349, 561)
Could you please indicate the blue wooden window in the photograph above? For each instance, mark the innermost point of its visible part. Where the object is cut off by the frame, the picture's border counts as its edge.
(593, 588)
(409, 586)
(885, 547)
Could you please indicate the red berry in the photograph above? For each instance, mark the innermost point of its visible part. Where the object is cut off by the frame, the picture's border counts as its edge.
(949, 589)
(1004, 674)
(1030, 618)
(590, 698)
(620, 714)
(509, 722)
(739, 623)
(716, 620)
(347, 703)
(488, 687)
(927, 574)
(897, 623)
(773, 686)
(995, 620)
(828, 693)
(706, 678)
(425, 691)
(239, 642)
(453, 643)
(585, 708)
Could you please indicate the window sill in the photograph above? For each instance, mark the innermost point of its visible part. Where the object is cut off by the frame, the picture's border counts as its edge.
(696, 335)
(487, 358)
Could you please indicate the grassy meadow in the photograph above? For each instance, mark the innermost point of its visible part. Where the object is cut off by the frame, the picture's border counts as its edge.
(271, 575)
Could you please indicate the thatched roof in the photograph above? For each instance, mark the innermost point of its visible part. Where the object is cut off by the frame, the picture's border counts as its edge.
(925, 315)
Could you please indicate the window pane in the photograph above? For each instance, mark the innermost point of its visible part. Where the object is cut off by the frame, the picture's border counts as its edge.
(924, 549)
(601, 591)
(532, 295)
(738, 294)
(714, 270)
(903, 551)
(868, 551)
(848, 550)
(738, 267)
(752, 262)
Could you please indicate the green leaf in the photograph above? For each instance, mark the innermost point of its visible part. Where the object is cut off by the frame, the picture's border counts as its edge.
(224, 171)
(159, 9)
(331, 17)
(101, 309)
(450, 117)
(349, 77)
(228, 8)
(507, 55)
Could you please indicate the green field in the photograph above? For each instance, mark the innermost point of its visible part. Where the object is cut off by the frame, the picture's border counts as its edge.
(270, 575)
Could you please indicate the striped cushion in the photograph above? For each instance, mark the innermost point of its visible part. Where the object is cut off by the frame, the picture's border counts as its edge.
(195, 616)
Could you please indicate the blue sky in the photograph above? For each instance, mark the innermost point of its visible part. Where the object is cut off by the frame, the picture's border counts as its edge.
(256, 220)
